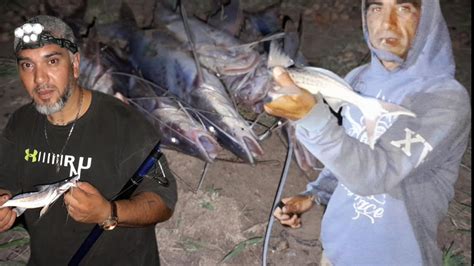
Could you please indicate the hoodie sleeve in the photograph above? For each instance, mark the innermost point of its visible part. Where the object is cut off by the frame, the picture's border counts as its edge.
(322, 187)
(436, 136)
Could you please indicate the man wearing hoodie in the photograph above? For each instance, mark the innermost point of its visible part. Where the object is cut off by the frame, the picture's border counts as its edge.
(390, 199)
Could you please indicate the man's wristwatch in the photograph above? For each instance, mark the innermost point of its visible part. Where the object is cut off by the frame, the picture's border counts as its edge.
(111, 222)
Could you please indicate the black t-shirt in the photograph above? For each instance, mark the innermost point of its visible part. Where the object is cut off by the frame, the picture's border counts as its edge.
(106, 147)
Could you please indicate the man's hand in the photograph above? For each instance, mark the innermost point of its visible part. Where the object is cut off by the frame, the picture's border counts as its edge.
(85, 204)
(294, 206)
(294, 106)
(7, 215)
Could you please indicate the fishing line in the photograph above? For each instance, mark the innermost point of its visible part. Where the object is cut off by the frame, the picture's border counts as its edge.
(281, 185)
(203, 174)
(200, 116)
(190, 36)
(257, 162)
(174, 97)
(181, 107)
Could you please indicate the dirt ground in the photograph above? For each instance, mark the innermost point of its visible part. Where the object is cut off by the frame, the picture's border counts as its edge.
(223, 221)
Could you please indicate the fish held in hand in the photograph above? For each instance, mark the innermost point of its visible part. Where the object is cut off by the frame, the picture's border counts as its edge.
(44, 197)
(335, 90)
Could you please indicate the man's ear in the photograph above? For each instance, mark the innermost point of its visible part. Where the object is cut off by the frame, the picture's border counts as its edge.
(76, 63)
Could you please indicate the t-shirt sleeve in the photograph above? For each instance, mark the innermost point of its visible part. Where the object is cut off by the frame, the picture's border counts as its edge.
(161, 181)
(137, 145)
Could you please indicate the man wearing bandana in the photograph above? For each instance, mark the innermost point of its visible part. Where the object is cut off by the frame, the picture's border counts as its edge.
(390, 199)
(70, 131)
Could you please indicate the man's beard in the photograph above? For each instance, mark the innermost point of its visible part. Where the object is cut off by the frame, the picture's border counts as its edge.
(48, 109)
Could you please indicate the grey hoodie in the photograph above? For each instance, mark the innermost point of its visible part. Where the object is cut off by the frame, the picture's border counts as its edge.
(390, 200)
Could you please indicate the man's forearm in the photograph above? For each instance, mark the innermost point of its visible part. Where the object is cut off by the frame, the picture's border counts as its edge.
(143, 209)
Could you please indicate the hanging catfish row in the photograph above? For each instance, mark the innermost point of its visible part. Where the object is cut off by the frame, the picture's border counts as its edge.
(194, 106)
(191, 110)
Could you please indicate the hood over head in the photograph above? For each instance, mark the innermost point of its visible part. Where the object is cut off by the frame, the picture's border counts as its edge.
(431, 52)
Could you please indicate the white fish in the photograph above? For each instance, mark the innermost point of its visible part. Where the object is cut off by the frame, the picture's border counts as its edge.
(335, 90)
(46, 195)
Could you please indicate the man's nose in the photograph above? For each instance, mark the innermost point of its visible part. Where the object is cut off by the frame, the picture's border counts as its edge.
(41, 76)
(389, 19)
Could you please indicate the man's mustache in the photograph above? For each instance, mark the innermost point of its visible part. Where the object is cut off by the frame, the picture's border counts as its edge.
(44, 87)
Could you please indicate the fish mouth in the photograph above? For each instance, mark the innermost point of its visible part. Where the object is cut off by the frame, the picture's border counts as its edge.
(243, 144)
(208, 147)
(252, 149)
(249, 94)
(253, 91)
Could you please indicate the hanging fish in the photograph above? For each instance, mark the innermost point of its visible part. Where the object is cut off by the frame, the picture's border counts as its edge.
(44, 197)
(333, 89)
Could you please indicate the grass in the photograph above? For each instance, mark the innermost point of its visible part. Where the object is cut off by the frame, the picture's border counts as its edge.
(15, 242)
(239, 248)
(451, 258)
(14, 247)
(207, 205)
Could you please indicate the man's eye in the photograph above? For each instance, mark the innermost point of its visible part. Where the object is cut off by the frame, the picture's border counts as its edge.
(26, 66)
(405, 8)
(375, 8)
(53, 61)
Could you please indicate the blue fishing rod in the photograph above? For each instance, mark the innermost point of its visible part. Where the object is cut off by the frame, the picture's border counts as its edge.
(150, 161)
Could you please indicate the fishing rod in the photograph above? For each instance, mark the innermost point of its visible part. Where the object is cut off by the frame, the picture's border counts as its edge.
(150, 161)
(276, 200)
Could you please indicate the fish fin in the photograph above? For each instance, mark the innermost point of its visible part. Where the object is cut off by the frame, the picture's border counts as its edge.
(276, 57)
(19, 211)
(42, 187)
(370, 126)
(374, 109)
(292, 39)
(45, 209)
(393, 109)
(330, 74)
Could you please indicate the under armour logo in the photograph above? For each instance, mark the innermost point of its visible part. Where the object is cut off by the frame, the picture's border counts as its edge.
(31, 155)
(412, 137)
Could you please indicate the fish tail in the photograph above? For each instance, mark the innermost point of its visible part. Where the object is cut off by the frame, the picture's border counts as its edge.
(276, 57)
(373, 110)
